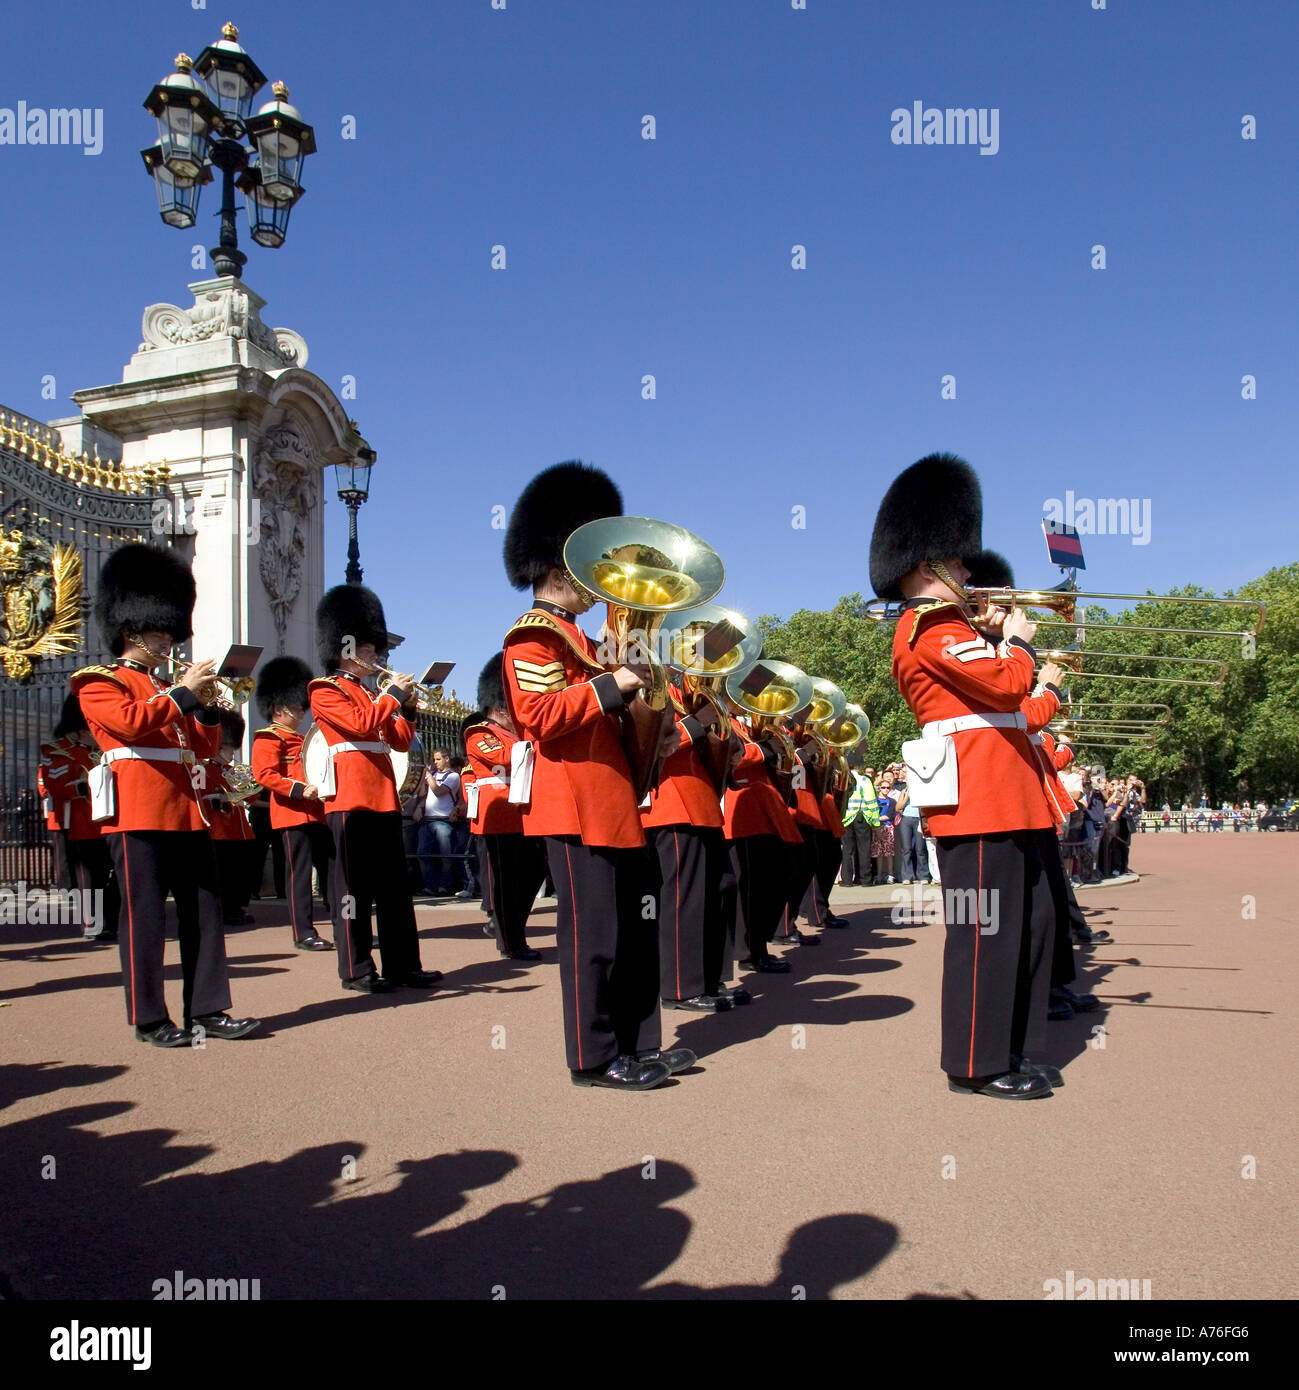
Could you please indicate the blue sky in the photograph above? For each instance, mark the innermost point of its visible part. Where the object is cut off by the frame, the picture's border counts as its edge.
(776, 388)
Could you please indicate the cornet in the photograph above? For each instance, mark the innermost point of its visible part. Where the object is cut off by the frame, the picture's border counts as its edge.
(223, 692)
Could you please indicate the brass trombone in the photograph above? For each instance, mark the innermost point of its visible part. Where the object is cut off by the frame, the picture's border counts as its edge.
(1064, 601)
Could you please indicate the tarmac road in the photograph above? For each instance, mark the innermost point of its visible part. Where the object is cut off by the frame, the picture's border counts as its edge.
(432, 1146)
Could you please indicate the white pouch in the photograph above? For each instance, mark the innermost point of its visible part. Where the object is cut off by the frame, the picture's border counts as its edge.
(328, 787)
(103, 792)
(471, 801)
(931, 763)
(522, 758)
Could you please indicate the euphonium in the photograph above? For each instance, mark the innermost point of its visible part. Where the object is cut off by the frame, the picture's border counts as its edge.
(642, 570)
(842, 734)
(828, 703)
(690, 645)
(788, 691)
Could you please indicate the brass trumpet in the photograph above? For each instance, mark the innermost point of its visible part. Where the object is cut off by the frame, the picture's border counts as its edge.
(223, 692)
(426, 697)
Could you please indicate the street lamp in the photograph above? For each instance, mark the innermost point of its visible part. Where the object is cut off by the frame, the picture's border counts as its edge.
(353, 480)
(204, 127)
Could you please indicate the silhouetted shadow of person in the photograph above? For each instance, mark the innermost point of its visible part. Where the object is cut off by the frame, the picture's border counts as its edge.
(600, 1239)
(819, 1257)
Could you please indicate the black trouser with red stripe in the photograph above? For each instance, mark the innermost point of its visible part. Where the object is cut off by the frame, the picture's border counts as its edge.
(60, 862)
(607, 938)
(478, 846)
(816, 901)
(92, 873)
(1062, 963)
(149, 863)
(233, 859)
(516, 869)
(761, 871)
(692, 928)
(368, 874)
(728, 892)
(801, 868)
(1000, 913)
(308, 847)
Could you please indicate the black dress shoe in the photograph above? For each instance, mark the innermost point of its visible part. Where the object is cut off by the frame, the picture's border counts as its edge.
(675, 1059)
(623, 1074)
(1052, 1074)
(523, 953)
(1011, 1085)
(738, 995)
(313, 943)
(1079, 1003)
(1058, 1010)
(805, 939)
(768, 965)
(164, 1033)
(368, 984)
(417, 979)
(223, 1026)
(698, 1004)
(833, 921)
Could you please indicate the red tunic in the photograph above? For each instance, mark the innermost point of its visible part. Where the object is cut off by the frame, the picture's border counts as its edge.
(347, 712)
(228, 822)
(129, 708)
(277, 765)
(752, 805)
(1039, 710)
(488, 747)
(945, 669)
(567, 706)
(48, 752)
(66, 779)
(685, 794)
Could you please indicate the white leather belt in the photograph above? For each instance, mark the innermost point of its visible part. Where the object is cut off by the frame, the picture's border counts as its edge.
(491, 782)
(149, 755)
(336, 748)
(1035, 738)
(939, 728)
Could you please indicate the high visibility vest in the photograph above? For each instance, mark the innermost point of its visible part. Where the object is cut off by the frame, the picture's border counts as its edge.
(863, 802)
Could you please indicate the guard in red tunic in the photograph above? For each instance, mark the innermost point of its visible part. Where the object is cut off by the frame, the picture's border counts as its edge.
(152, 737)
(996, 828)
(573, 779)
(361, 807)
(683, 822)
(808, 821)
(58, 836)
(297, 812)
(514, 864)
(760, 833)
(232, 835)
(992, 571)
(71, 756)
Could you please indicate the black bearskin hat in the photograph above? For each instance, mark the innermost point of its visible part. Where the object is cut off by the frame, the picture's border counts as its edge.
(232, 726)
(933, 510)
(71, 720)
(143, 588)
(988, 570)
(491, 684)
(282, 682)
(552, 506)
(350, 610)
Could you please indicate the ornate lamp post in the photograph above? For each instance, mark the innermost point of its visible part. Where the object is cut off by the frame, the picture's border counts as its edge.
(353, 479)
(202, 127)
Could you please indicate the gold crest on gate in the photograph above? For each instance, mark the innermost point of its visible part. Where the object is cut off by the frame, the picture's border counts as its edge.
(40, 609)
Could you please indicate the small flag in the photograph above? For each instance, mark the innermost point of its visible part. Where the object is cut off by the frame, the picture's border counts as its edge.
(1063, 545)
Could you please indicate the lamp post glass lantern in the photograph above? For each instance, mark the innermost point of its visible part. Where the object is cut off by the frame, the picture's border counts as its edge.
(352, 478)
(202, 127)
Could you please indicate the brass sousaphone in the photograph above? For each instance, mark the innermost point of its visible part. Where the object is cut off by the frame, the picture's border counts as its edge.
(842, 735)
(828, 703)
(642, 570)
